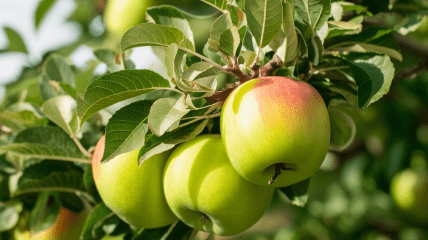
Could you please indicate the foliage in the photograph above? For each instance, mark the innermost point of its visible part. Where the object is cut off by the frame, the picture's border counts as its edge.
(354, 55)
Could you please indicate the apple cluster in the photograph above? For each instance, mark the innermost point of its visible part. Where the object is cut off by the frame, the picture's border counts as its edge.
(274, 132)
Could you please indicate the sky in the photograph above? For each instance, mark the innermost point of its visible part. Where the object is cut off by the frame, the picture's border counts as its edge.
(53, 32)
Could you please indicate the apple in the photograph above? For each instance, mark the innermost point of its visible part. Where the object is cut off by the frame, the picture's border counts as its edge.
(206, 193)
(68, 226)
(134, 193)
(274, 124)
(409, 189)
(121, 15)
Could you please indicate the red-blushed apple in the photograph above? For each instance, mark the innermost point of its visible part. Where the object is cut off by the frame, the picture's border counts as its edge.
(134, 193)
(206, 193)
(68, 226)
(271, 124)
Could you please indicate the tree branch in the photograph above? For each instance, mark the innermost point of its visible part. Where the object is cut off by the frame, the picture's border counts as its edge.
(269, 68)
(412, 70)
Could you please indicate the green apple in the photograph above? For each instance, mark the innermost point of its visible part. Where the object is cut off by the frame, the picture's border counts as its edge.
(409, 189)
(206, 193)
(273, 123)
(68, 226)
(134, 193)
(121, 15)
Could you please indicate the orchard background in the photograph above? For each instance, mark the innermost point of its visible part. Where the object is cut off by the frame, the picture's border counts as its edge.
(368, 59)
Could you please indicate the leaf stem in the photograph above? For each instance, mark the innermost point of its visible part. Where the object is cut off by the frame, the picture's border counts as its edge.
(81, 148)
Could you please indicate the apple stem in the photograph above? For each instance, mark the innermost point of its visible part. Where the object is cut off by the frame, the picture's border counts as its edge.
(278, 169)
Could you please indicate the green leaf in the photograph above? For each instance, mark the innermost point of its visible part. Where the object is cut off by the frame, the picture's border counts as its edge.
(52, 176)
(108, 57)
(126, 129)
(165, 112)
(220, 25)
(177, 230)
(62, 111)
(298, 192)
(21, 115)
(236, 15)
(412, 23)
(264, 19)
(68, 89)
(41, 11)
(58, 69)
(229, 41)
(342, 130)
(8, 218)
(172, 17)
(373, 39)
(336, 28)
(174, 61)
(314, 13)
(286, 42)
(219, 4)
(45, 142)
(45, 212)
(98, 215)
(247, 58)
(16, 43)
(149, 34)
(373, 74)
(200, 70)
(155, 145)
(116, 87)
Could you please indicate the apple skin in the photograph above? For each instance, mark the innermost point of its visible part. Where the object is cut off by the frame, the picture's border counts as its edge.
(273, 120)
(134, 193)
(68, 226)
(409, 189)
(206, 193)
(121, 15)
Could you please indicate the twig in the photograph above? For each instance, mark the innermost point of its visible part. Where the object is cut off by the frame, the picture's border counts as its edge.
(412, 70)
(269, 68)
(81, 148)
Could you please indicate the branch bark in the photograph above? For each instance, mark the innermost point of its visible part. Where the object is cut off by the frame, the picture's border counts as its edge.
(269, 68)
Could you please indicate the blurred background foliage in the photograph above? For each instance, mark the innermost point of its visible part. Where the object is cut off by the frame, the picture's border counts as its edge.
(350, 196)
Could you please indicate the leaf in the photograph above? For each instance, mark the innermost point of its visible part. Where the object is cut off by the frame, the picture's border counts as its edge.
(219, 4)
(98, 214)
(314, 13)
(8, 218)
(236, 15)
(373, 74)
(43, 8)
(337, 28)
(126, 129)
(174, 61)
(16, 43)
(248, 57)
(116, 87)
(165, 112)
(45, 142)
(58, 69)
(68, 89)
(229, 41)
(108, 57)
(373, 39)
(412, 23)
(177, 230)
(264, 19)
(52, 176)
(21, 115)
(200, 70)
(342, 130)
(172, 17)
(220, 25)
(155, 145)
(62, 111)
(149, 34)
(45, 212)
(298, 192)
(286, 42)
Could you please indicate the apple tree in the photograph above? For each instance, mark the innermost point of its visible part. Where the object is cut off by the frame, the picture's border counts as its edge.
(306, 109)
